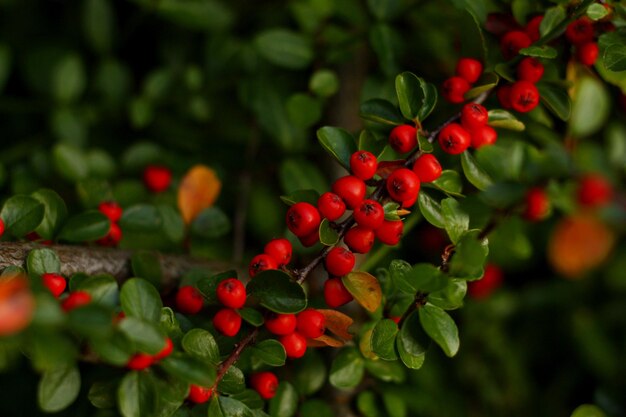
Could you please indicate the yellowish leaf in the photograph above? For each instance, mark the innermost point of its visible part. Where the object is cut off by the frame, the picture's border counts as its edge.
(365, 344)
(338, 323)
(198, 190)
(325, 340)
(364, 288)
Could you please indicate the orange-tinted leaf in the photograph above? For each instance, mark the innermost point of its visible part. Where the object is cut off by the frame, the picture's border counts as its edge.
(364, 288)
(17, 304)
(579, 244)
(365, 344)
(198, 190)
(324, 341)
(338, 323)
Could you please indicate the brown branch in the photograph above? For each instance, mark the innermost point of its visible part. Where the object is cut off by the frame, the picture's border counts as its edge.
(234, 356)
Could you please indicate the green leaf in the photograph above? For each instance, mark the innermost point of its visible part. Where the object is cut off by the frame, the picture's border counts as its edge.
(440, 327)
(588, 410)
(208, 286)
(233, 381)
(551, 19)
(387, 371)
(556, 100)
(338, 143)
(431, 210)
(316, 408)
(596, 11)
(136, 395)
(146, 336)
(456, 221)
(102, 394)
(140, 299)
(173, 225)
(300, 174)
(55, 213)
(367, 404)
(474, 172)
(383, 339)
(592, 106)
(215, 410)
(307, 196)
(211, 223)
(277, 292)
(486, 83)
(269, 351)
(416, 98)
(234, 408)
(304, 110)
(250, 398)
(387, 44)
(450, 297)
(383, 9)
(369, 142)
(422, 277)
(103, 289)
(499, 118)
(543, 51)
(115, 349)
(70, 162)
(470, 255)
(252, 316)
(502, 163)
(449, 182)
(92, 321)
(21, 214)
(68, 78)
(284, 48)
(147, 265)
(58, 388)
(381, 111)
(423, 144)
(171, 395)
(347, 369)
(85, 227)
(410, 344)
(189, 369)
(309, 373)
(141, 218)
(285, 402)
(615, 57)
(328, 235)
(41, 261)
(201, 344)
(324, 83)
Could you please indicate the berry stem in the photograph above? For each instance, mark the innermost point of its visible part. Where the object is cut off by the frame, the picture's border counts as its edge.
(234, 356)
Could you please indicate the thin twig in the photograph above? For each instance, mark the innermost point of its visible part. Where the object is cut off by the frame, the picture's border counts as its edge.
(234, 356)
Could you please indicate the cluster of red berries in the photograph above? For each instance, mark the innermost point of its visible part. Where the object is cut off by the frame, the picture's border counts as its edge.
(113, 212)
(232, 294)
(157, 178)
(468, 71)
(140, 361)
(276, 254)
(473, 131)
(581, 34)
(56, 284)
(294, 330)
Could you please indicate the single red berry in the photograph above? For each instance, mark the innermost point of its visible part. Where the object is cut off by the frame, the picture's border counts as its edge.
(113, 237)
(157, 178)
(111, 209)
(359, 239)
(262, 262)
(587, 53)
(294, 344)
(198, 394)
(363, 164)
(524, 96)
(265, 383)
(166, 351)
(530, 69)
(302, 219)
(580, 31)
(335, 293)
(1, 227)
(189, 300)
(281, 324)
(454, 139)
(537, 205)
(403, 138)
(369, 214)
(403, 185)
(512, 42)
(55, 283)
(351, 190)
(231, 292)
(339, 261)
(469, 69)
(311, 323)
(454, 89)
(76, 299)
(504, 96)
(473, 115)
(532, 28)
(280, 250)
(395, 319)
(427, 168)
(485, 286)
(227, 322)
(483, 135)
(310, 239)
(410, 202)
(390, 232)
(140, 361)
(331, 206)
(594, 191)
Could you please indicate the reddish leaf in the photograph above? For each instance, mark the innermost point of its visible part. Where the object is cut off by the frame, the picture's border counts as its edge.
(338, 323)
(198, 190)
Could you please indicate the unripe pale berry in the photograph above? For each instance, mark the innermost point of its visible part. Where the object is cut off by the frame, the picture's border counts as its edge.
(403, 138)
(524, 96)
(281, 324)
(403, 185)
(530, 69)
(231, 293)
(512, 42)
(454, 139)
(335, 293)
(198, 394)
(331, 206)
(359, 239)
(227, 322)
(189, 300)
(351, 190)
(55, 283)
(76, 299)
(483, 135)
(140, 361)
(302, 219)
(454, 89)
(485, 286)
(587, 53)
(594, 191)
(111, 209)
(294, 344)
(427, 168)
(390, 232)
(537, 204)
(166, 351)
(280, 250)
(157, 178)
(369, 214)
(265, 383)
(261, 263)
(311, 323)
(339, 261)
(474, 115)
(363, 164)
(580, 31)
(469, 69)
(532, 28)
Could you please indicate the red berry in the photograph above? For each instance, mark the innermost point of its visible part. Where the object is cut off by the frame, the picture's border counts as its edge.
(280, 250)
(1, 227)
(166, 351)
(483, 135)
(55, 283)
(395, 319)
(469, 69)
(390, 232)
(350, 189)
(227, 322)
(140, 361)
(594, 191)
(335, 293)
(409, 203)
(490, 281)
(363, 164)
(524, 96)
(111, 209)
(198, 394)
(369, 214)
(453, 139)
(262, 262)
(189, 300)
(231, 292)
(339, 261)
(359, 239)
(331, 206)
(512, 42)
(580, 31)
(302, 219)
(403, 185)
(504, 96)
(76, 299)
(532, 28)
(157, 178)
(474, 115)
(311, 323)
(310, 240)
(113, 237)
(265, 383)
(294, 344)
(454, 89)
(530, 69)
(427, 168)
(587, 53)
(537, 205)
(281, 324)
(403, 138)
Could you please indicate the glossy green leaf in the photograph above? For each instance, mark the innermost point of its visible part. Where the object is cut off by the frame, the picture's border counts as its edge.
(103, 289)
(552, 18)
(410, 342)
(270, 352)
(556, 100)
(284, 48)
(171, 395)
(310, 373)
(139, 298)
(451, 296)
(474, 172)
(422, 277)
(252, 316)
(381, 111)
(368, 141)
(430, 209)
(449, 182)
(85, 227)
(486, 83)
(250, 398)
(189, 369)
(440, 327)
(456, 221)
(502, 119)
(285, 402)
(347, 369)
(55, 213)
(146, 336)
(21, 214)
(234, 408)
(201, 344)
(416, 98)
(387, 371)
(102, 394)
(615, 57)
(338, 143)
(543, 51)
(276, 291)
(233, 381)
(208, 286)
(58, 388)
(469, 257)
(136, 395)
(383, 339)
(141, 218)
(596, 11)
(328, 235)
(41, 261)
(115, 349)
